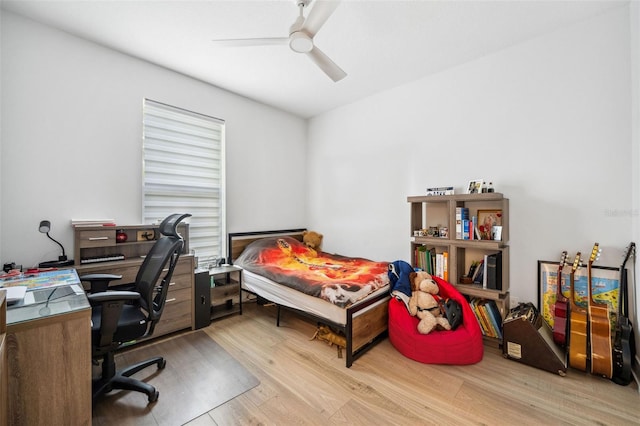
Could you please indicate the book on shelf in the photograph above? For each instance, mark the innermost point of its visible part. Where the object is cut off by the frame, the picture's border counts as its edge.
(477, 310)
(465, 229)
(484, 272)
(494, 271)
(488, 316)
(472, 227)
(462, 214)
(445, 272)
(478, 273)
(441, 269)
(420, 257)
(473, 269)
(495, 316)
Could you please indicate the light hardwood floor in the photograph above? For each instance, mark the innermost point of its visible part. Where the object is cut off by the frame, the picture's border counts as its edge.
(304, 382)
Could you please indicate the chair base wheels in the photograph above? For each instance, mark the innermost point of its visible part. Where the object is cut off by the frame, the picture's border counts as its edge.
(121, 380)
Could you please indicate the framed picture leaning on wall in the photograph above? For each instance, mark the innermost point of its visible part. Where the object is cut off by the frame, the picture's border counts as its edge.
(605, 283)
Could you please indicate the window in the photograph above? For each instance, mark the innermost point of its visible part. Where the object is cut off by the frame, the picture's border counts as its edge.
(183, 171)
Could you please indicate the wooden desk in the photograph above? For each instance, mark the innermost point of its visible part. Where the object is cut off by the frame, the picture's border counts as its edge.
(49, 363)
(4, 374)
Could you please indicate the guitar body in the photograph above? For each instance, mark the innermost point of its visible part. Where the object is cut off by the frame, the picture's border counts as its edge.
(600, 338)
(560, 315)
(622, 353)
(577, 326)
(578, 338)
(624, 343)
(600, 329)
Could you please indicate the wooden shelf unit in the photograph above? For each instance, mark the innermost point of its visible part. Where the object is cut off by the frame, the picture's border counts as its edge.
(226, 286)
(440, 211)
(94, 241)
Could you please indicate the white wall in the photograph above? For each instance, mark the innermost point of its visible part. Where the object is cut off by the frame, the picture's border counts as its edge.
(71, 141)
(547, 121)
(635, 138)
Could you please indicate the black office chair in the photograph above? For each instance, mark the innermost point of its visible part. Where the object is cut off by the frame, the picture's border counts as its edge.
(132, 311)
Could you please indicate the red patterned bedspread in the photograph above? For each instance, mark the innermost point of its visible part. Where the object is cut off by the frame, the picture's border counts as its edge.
(338, 279)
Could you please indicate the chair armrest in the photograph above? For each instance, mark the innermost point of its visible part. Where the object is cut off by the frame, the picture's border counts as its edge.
(99, 282)
(112, 296)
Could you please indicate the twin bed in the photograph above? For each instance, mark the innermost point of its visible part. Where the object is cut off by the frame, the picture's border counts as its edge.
(350, 295)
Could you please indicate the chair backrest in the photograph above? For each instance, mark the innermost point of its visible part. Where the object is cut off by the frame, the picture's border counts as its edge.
(161, 259)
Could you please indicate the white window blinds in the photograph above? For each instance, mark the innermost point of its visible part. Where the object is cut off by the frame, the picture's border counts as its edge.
(183, 172)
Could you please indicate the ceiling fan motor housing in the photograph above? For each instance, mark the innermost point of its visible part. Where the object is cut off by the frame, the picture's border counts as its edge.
(300, 42)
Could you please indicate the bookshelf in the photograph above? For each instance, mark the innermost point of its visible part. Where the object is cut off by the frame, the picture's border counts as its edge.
(433, 228)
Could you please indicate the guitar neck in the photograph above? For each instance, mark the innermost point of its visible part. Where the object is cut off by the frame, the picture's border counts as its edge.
(623, 290)
(572, 291)
(559, 295)
(594, 255)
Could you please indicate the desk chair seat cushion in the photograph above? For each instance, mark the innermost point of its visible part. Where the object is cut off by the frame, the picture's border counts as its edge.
(131, 325)
(464, 345)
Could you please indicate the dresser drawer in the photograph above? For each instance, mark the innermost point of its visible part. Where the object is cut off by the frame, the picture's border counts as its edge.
(182, 274)
(128, 273)
(177, 312)
(184, 266)
(100, 238)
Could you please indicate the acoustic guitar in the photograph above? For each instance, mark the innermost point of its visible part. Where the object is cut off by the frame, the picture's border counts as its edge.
(599, 326)
(624, 345)
(560, 307)
(577, 324)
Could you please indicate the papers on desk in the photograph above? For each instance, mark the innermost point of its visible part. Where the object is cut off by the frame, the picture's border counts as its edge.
(15, 294)
(50, 294)
(20, 288)
(52, 278)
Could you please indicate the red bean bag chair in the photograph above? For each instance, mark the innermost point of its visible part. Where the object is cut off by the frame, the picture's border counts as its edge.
(460, 346)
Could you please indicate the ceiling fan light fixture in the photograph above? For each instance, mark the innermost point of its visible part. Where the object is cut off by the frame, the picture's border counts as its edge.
(300, 42)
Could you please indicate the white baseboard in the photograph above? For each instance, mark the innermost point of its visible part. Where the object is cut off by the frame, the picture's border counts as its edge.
(635, 370)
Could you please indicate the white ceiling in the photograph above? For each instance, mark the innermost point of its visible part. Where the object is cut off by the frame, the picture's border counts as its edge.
(379, 43)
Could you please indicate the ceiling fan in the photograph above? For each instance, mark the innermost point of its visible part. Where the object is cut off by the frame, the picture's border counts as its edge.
(301, 34)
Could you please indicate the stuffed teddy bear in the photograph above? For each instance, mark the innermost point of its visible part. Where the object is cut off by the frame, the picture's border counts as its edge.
(424, 305)
(312, 239)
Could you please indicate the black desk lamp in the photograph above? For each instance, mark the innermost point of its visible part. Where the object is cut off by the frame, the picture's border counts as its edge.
(45, 226)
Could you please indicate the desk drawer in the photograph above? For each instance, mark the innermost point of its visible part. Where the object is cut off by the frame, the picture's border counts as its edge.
(101, 238)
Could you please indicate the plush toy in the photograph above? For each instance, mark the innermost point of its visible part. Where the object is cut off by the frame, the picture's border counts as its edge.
(312, 239)
(424, 304)
(331, 337)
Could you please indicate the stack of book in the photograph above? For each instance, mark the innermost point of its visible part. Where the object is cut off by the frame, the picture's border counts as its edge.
(436, 264)
(92, 222)
(488, 316)
(487, 272)
(466, 227)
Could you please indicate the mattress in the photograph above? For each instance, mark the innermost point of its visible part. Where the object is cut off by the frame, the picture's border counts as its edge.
(285, 296)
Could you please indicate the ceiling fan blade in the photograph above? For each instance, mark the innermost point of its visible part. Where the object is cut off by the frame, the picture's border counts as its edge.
(319, 14)
(327, 65)
(245, 42)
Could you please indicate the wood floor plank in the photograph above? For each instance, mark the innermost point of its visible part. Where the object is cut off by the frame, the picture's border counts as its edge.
(304, 382)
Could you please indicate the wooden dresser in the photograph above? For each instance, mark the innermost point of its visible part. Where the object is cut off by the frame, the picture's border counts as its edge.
(100, 241)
